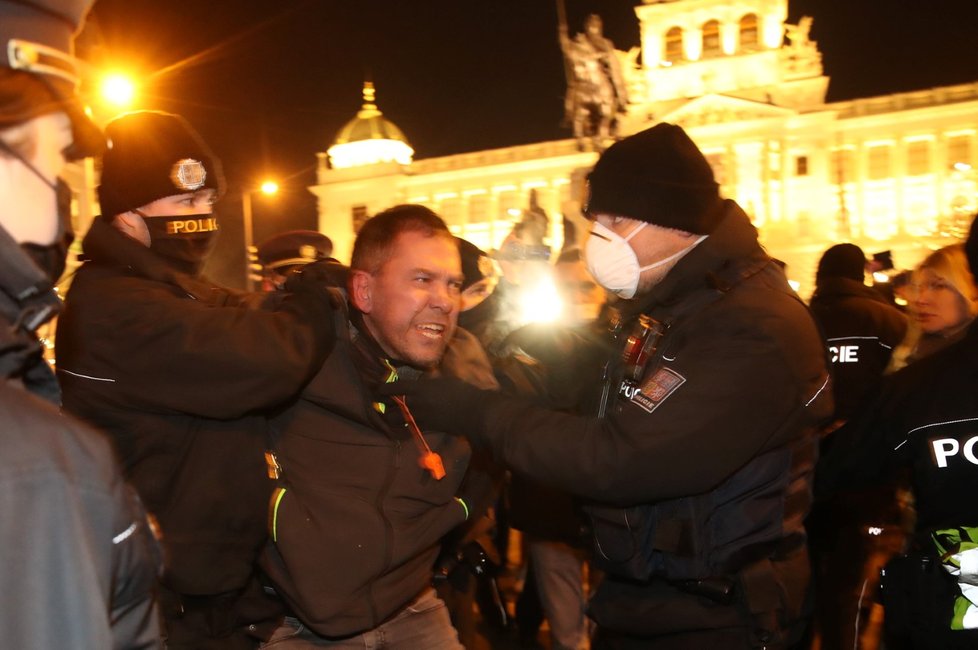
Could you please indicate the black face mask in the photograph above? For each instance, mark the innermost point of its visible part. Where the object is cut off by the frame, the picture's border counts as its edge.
(185, 240)
(51, 259)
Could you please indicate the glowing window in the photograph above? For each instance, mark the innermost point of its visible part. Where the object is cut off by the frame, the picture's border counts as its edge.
(878, 162)
(674, 45)
(748, 32)
(959, 149)
(711, 38)
(918, 158)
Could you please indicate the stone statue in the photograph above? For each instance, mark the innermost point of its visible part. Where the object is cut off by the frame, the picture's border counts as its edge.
(798, 34)
(596, 89)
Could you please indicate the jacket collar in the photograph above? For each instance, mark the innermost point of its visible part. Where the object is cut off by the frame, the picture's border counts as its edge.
(730, 254)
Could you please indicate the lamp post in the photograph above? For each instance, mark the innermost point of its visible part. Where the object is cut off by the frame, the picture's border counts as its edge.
(267, 188)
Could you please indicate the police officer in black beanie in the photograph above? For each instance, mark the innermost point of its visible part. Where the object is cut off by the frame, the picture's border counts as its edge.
(925, 419)
(79, 559)
(178, 370)
(697, 461)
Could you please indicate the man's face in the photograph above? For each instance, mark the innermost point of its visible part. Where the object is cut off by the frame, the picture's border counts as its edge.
(411, 304)
(651, 244)
(31, 206)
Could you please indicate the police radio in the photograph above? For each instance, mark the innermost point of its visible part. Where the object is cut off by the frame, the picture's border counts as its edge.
(640, 347)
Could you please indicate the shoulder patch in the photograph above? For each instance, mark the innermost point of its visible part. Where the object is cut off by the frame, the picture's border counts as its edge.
(657, 388)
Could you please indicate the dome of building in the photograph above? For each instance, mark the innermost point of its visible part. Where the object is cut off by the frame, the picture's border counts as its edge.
(369, 138)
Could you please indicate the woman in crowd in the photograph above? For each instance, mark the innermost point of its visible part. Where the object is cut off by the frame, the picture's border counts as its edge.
(943, 302)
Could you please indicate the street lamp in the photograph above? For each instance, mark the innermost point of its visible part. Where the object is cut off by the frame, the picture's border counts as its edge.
(267, 188)
(117, 90)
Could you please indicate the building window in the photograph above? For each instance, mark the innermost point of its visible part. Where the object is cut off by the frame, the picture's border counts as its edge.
(842, 166)
(478, 208)
(748, 32)
(918, 158)
(878, 162)
(674, 45)
(711, 38)
(360, 217)
(450, 210)
(801, 166)
(959, 150)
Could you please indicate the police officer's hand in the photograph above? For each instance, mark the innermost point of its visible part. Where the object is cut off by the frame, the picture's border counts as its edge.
(324, 273)
(441, 404)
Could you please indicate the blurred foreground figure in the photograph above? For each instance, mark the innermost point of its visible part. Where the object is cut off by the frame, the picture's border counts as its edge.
(178, 370)
(925, 420)
(79, 560)
(698, 460)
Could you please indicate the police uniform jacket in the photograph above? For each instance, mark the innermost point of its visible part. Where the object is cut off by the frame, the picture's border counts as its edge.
(712, 447)
(861, 329)
(925, 417)
(176, 370)
(79, 560)
(357, 522)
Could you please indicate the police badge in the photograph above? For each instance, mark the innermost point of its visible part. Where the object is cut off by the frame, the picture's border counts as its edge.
(188, 174)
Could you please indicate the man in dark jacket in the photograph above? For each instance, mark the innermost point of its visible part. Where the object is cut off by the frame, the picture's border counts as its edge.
(700, 468)
(365, 496)
(79, 560)
(923, 419)
(178, 369)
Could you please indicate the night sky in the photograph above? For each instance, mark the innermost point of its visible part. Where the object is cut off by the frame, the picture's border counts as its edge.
(270, 82)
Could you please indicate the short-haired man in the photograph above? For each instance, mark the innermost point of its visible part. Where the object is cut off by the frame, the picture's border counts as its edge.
(79, 560)
(699, 471)
(365, 495)
(177, 370)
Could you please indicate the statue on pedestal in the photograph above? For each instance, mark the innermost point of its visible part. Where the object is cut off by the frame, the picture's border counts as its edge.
(596, 89)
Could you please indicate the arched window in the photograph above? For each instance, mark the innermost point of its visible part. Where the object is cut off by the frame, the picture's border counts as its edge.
(674, 45)
(711, 38)
(748, 32)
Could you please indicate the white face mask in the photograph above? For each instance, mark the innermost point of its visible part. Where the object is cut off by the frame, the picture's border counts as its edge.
(613, 263)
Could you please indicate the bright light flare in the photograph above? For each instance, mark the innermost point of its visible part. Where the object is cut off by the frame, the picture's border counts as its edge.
(118, 90)
(540, 302)
(269, 188)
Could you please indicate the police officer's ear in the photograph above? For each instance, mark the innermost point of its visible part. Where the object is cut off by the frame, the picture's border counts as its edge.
(132, 225)
(361, 290)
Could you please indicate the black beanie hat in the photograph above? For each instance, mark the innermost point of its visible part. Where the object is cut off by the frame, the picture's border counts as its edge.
(842, 261)
(153, 155)
(971, 247)
(476, 265)
(659, 176)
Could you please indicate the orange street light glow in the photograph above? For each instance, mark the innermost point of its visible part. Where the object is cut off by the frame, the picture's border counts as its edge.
(118, 90)
(269, 187)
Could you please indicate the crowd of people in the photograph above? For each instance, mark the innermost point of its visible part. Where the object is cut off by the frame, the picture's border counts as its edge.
(336, 461)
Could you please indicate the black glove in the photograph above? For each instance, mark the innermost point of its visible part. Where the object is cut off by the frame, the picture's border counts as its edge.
(443, 404)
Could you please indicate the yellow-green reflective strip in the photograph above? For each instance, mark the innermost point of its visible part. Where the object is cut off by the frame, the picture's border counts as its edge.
(464, 507)
(279, 493)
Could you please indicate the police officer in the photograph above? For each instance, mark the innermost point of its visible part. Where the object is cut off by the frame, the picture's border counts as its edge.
(287, 252)
(79, 560)
(177, 370)
(698, 464)
(861, 328)
(924, 418)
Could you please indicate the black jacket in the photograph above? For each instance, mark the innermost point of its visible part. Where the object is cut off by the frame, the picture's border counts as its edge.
(177, 370)
(79, 561)
(357, 523)
(861, 329)
(720, 421)
(922, 419)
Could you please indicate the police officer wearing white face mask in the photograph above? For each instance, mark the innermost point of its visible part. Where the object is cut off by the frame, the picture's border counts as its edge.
(697, 463)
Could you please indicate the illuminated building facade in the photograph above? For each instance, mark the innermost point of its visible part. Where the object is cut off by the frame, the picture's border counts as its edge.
(891, 172)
